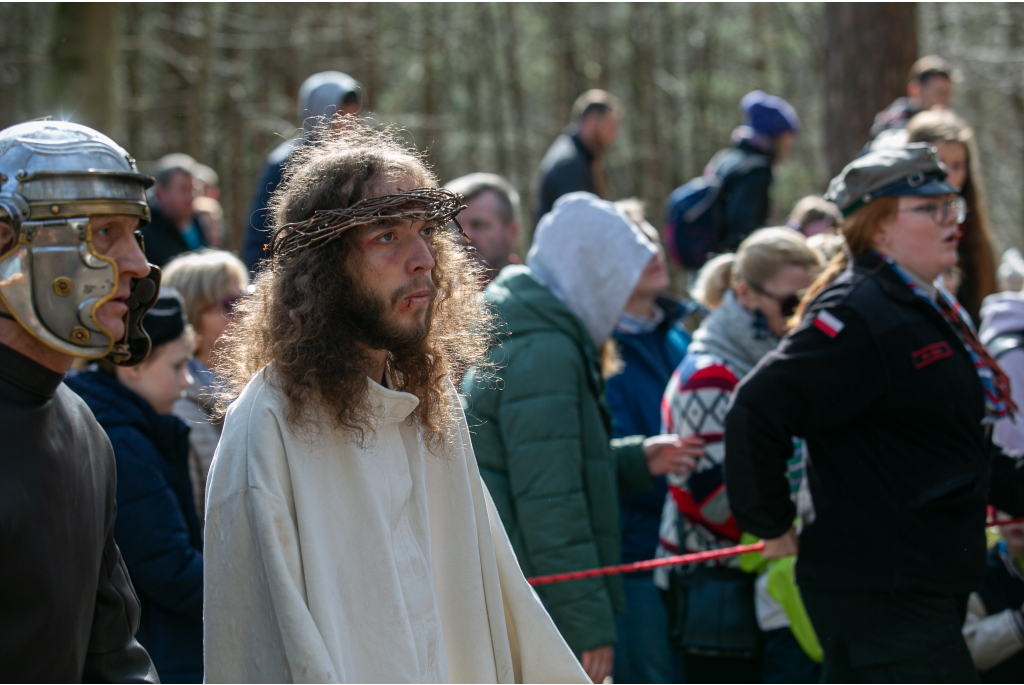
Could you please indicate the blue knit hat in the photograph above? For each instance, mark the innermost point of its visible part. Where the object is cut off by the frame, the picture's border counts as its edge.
(767, 114)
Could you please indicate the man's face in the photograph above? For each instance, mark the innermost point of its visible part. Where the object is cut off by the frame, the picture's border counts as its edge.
(176, 198)
(608, 128)
(114, 237)
(492, 238)
(783, 146)
(390, 268)
(936, 92)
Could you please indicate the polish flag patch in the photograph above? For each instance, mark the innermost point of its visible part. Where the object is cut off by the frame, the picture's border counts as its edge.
(828, 324)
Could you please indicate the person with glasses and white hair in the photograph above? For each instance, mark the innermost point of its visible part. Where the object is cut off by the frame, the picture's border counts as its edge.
(211, 282)
(894, 395)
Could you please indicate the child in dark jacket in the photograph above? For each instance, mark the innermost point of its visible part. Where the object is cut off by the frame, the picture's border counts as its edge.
(156, 527)
(651, 341)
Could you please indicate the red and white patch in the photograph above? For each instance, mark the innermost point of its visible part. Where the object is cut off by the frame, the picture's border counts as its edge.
(828, 324)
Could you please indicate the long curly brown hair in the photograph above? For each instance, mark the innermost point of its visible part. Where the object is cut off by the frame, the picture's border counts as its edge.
(304, 314)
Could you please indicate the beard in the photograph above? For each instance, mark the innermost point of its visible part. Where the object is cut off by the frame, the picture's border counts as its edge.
(369, 316)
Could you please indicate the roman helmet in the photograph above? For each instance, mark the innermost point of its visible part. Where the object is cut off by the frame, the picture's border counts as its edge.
(55, 176)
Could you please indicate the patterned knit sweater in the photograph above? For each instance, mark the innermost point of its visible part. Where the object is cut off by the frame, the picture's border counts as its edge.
(696, 516)
(695, 403)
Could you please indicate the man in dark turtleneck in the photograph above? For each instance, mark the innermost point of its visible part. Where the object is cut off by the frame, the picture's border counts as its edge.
(69, 287)
(575, 161)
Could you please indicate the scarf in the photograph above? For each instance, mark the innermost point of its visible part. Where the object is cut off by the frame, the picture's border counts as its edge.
(731, 333)
(994, 383)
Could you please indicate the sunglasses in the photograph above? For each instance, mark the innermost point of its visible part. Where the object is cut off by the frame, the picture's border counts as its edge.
(226, 305)
(787, 304)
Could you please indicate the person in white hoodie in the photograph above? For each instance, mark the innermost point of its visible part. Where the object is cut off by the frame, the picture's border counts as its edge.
(543, 436)
(348, 535)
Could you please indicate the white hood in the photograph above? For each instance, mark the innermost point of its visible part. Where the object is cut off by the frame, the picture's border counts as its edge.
(590, 255)
(1001, 313)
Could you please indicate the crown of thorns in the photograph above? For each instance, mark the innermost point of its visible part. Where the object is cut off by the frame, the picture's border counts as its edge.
(436, 206)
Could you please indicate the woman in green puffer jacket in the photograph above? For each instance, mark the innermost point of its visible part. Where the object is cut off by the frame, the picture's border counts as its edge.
(542, 433)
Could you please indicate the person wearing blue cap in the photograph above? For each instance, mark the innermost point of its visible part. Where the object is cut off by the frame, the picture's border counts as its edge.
(156, 527)
(763, 140)
(886, 381)
(321, 95)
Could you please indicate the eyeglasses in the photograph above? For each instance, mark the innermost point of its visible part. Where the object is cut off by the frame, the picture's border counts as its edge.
(787, 303)
(227, 305)
(942, 212)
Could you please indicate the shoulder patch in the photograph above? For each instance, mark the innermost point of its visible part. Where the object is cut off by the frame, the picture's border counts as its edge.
(930, 354)
(828, 324)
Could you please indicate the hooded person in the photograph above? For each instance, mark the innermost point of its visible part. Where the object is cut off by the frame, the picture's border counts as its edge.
(349, 537)
(321, 96)
(1002, 333)
(74, 283)
(543, 435)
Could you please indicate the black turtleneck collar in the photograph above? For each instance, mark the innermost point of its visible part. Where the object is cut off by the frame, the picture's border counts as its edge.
(27, 375)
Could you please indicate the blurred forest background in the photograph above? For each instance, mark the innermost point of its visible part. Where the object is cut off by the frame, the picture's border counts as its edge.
(487, 87)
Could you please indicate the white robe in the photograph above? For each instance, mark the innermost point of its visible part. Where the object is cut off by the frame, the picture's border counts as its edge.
(330, 562)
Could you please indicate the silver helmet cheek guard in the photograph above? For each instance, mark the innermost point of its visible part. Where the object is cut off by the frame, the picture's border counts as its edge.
(53, 282)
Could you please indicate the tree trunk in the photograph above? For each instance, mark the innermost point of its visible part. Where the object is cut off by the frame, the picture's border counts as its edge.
(869, 49)
(85, 53)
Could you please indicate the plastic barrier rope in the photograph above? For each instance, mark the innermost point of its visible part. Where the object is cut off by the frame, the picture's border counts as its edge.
(679, 560)
(682, 560)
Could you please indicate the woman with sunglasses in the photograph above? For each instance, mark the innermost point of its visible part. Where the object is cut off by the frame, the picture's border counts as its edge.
(886, 381)
(212, 283)
(753, 292)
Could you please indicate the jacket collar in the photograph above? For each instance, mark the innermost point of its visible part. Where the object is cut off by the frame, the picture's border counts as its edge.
(115, 405)
(675, 310)
(869, 265)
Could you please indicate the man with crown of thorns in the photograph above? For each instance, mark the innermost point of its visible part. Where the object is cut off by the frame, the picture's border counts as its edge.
(348, 535)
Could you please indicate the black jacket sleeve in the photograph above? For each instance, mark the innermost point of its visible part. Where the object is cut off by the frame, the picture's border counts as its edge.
(746, 208)
(114, 656)
(812, 382)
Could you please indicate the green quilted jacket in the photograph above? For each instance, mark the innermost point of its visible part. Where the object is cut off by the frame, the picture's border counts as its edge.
(542, 439)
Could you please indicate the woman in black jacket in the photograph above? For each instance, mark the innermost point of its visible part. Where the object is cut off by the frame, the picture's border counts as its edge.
(886, 381)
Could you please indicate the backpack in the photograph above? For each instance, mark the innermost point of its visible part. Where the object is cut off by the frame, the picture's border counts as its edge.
(694, 222)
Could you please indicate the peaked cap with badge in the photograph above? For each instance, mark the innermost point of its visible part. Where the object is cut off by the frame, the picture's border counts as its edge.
(911, 170)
